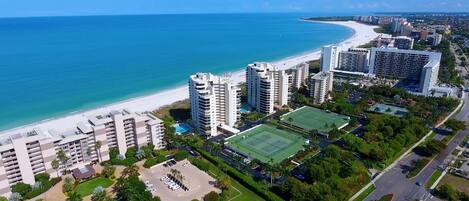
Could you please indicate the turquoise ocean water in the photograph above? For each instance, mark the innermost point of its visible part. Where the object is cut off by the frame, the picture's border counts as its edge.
(53, 66)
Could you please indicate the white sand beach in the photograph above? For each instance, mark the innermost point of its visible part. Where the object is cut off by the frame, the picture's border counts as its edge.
(363, 34)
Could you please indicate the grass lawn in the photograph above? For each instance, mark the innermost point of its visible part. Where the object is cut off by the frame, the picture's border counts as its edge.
(433, 178)
(310, 118)
(459, 183)
(87, 187)
(266, 143)
(237, 192)
(179, 110)
(365, 193)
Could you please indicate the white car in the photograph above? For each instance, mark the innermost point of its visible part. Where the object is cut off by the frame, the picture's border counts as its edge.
(173, 186)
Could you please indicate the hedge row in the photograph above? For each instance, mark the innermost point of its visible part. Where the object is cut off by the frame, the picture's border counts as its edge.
(153, 161)
(241, 178)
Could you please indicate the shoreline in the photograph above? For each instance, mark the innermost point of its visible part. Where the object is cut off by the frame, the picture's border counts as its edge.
(362, 34)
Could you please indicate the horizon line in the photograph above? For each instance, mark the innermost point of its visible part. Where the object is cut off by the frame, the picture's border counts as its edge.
(191, 13)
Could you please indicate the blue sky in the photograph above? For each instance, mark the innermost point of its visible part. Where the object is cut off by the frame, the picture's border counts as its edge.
(21, 8)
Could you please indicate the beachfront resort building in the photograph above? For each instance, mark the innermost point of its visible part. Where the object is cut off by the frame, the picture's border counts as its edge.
(417, 71)
(266, 86)
(407, 65)
(122, 130)
(329, 58)
(320, 86)
(354, 60)
(215, 102)
(298, 75)
(24, 155)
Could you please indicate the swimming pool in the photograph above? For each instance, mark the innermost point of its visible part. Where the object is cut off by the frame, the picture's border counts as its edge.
(245, 108)
(182, 128)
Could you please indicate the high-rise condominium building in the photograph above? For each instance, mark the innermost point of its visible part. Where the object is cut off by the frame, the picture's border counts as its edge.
(434, 39)
(23, 155)
(215, 101)
(329, 58)
(403, 42)
(266, 86)
(298, 75)
(409, 65)
(320, 86)
(354, 60)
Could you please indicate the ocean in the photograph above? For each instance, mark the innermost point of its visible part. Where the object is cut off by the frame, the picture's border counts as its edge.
(54, 66)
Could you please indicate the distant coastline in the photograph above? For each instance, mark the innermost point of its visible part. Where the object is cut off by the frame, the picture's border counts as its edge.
(362, 34)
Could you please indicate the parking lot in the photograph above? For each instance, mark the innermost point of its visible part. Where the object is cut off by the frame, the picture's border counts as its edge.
(198, 182)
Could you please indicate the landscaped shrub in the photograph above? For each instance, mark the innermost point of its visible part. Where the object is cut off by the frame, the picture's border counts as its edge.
(21, 188)
(153, 161)
(131, 152)
(42, 177)
(202, 165)
(212, 196)
(181, 155)
(43, 183)
(149, 163)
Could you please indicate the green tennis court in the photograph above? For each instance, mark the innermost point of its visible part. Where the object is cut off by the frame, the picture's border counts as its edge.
(310, 118)
(266, 143)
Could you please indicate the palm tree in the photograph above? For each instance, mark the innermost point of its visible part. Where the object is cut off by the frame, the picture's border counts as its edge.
(98, 147)
(89, 151)
(55, 165)
(63, 158)
(270, 168)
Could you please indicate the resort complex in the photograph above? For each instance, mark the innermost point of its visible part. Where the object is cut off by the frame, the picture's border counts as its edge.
(379, 116)
(417, 70)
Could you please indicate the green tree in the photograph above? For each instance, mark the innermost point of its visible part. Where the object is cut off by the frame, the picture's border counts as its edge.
(212, 196)
(223, 183)
(68, 185)
(21, 188)
(55, 165)
(108, 171)
(130, 171)
(3, 198)
(63, 158)
(316, 173)
(100, 194)
(447, 192)
(132, 189)
(98, 147)
(74, 196)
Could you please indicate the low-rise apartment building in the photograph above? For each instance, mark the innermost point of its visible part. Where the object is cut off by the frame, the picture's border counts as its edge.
(23, 155)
